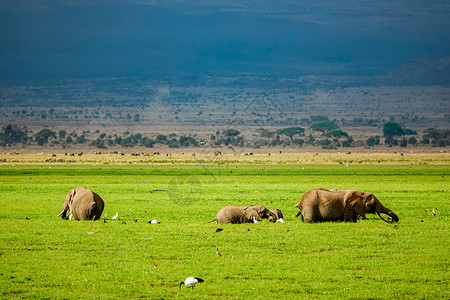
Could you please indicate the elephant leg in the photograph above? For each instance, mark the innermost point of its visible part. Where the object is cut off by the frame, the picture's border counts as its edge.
(308, 215)
(94, 212)
(349, 215)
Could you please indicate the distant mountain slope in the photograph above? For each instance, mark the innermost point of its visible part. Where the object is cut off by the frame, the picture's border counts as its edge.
(421, 71)
(66, 39)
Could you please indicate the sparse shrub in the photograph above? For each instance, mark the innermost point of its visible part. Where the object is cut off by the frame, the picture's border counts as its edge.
(81, 139)
(348, 142)
(99, 143)
(372, 141)
(260, 143)
(439, 138)
(62, 134)
(403, 143)
(276, 142)
(329, 147)
(43, 136)
(231, 132)
(298, 142)
(13, 134)
(390, 141)
(324, 142)
(392, 129)
(412, 141)
(161, 139)
(148, 142)
(186, 141)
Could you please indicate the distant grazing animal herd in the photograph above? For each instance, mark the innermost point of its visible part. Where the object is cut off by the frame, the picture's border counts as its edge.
(316, 205)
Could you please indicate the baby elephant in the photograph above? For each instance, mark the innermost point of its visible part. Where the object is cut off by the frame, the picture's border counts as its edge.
(243, 214)
(82, 204)
(278, 215)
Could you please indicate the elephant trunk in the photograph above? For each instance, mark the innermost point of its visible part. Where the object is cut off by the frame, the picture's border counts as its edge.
(388, 212)
(64, 208)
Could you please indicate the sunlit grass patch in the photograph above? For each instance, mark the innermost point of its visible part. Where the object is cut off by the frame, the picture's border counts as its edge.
(46, 257)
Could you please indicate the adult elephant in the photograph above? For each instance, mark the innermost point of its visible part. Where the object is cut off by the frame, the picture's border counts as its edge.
(82, 204)
(242, 214)
(320, 205)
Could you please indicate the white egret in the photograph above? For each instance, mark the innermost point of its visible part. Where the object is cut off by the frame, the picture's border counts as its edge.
(254, 220)
(115, 216)
(280, 220)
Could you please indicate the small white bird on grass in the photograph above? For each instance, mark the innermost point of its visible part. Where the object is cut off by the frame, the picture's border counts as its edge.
(70, 217)
(280, 220)
(154, 222)
(191, 281)
(254, 220)
(115, 216)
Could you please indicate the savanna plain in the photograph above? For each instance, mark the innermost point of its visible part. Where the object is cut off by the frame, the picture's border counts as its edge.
(43, 256)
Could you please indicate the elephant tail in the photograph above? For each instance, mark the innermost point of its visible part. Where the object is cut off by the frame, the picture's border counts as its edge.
(215, 219)
(300, 210)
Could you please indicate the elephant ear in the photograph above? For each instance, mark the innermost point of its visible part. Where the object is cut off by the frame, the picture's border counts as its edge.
(369, 202)
(249, 213)
(259, 209)
(263, 212)
(66, 203)
(358, 207)
(71, 194)
(356, 203)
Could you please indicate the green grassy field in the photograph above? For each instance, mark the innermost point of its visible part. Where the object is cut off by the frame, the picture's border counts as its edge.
(47, 257)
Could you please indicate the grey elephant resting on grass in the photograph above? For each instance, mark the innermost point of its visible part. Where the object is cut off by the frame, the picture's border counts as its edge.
(243, 214)
(82, 204)
(320, 205)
